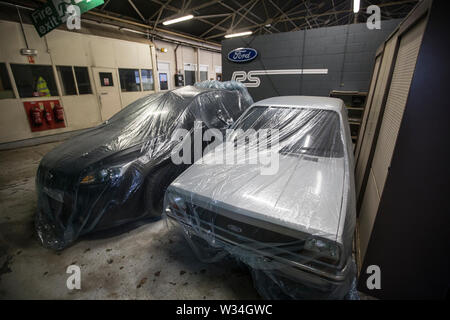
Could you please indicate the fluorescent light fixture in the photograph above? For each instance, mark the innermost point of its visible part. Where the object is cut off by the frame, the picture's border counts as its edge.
(356, 6)
(239, 34)
(184, 18)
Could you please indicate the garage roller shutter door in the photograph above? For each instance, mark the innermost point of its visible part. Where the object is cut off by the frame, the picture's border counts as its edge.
(396, 101)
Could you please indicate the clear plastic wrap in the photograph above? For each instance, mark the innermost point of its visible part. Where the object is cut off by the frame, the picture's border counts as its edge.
(113, 177)
(226, 85)
(290, 219)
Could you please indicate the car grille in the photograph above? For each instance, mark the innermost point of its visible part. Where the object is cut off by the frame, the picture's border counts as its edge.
(236, 230)
(59, 210)
(251, 235)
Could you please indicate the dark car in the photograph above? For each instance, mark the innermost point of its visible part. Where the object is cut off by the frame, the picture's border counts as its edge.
(113, 177)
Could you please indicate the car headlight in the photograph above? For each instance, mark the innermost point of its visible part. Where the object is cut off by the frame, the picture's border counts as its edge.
(324, 250)
(175, 204)
(103, 175)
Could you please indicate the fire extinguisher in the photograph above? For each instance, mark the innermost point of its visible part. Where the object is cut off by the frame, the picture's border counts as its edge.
(48, 116)
(36, 116)
(59, 113)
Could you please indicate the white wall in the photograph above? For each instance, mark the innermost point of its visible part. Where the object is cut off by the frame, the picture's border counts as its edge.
(71, 49)
(186, 55)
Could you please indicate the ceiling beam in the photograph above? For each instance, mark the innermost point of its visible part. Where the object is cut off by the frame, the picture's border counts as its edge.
(265, 9)
(310, 13)
(161, 9)
(215, 26)
(217, 15)
(185, 5)
(246, 12)
(105, 4)
(204, 5)
(299, 15)
(332, 12)
(137, 10)
(276, 19)
(282, 13)
(166, 5)
(237, 12)
(147, 27)
(250, 13)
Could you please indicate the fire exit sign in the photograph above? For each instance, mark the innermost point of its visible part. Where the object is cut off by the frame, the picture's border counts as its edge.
(54, 13)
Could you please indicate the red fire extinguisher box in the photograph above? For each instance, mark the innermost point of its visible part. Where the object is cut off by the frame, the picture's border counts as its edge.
(44, 115)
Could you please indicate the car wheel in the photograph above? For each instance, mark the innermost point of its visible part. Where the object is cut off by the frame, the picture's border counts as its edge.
(157, 184)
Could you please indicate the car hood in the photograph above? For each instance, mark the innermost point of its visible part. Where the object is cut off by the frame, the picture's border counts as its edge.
(83, 150)
(306, 194)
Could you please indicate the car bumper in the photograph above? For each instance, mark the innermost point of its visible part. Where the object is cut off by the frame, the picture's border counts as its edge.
(306, 281)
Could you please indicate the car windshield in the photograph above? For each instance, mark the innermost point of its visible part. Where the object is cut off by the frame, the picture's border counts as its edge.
(152, 116)
(314, 132)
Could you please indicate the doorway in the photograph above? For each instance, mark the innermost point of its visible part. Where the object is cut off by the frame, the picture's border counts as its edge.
(164, 75)
(108, 91)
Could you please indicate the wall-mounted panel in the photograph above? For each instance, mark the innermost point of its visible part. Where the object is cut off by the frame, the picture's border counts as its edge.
(347, 52)
(362, 159)
(396, 101)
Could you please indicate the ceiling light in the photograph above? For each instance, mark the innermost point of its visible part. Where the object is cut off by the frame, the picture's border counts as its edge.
(184, 18)
(356, 6)
(239, 34)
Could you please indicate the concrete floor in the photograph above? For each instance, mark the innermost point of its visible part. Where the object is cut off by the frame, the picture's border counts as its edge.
(151, 262)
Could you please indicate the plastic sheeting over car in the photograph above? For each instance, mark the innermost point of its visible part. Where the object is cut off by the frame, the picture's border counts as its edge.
(290, 219)
(227, 85)
(104, 177)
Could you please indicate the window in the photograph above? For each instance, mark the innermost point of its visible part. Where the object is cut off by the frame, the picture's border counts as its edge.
(129, 80)
(67, 81)
(83, 82)
(163, 84)
(147, 80)
(6, 91)
(203, 73)
(313, 132)
(34, 80)
(251, 117)
(106, 79)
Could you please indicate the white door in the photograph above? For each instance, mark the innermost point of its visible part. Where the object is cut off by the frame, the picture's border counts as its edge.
(107, 86)
(164, 75)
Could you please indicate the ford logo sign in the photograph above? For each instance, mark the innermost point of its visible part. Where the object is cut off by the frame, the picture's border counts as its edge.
(242, 55)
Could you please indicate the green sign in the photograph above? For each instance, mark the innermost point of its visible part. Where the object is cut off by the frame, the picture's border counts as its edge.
(54, 13)
(45, 19)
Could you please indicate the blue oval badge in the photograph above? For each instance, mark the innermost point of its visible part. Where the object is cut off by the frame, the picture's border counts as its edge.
(242, 55)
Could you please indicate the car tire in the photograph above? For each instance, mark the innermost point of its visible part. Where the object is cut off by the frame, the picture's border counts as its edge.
(157, 184)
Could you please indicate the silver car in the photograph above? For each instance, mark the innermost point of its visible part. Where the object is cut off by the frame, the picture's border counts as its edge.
(295, 226)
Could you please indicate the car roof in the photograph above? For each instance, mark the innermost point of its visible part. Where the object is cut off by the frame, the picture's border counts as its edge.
(192, 91)
(303, 102)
